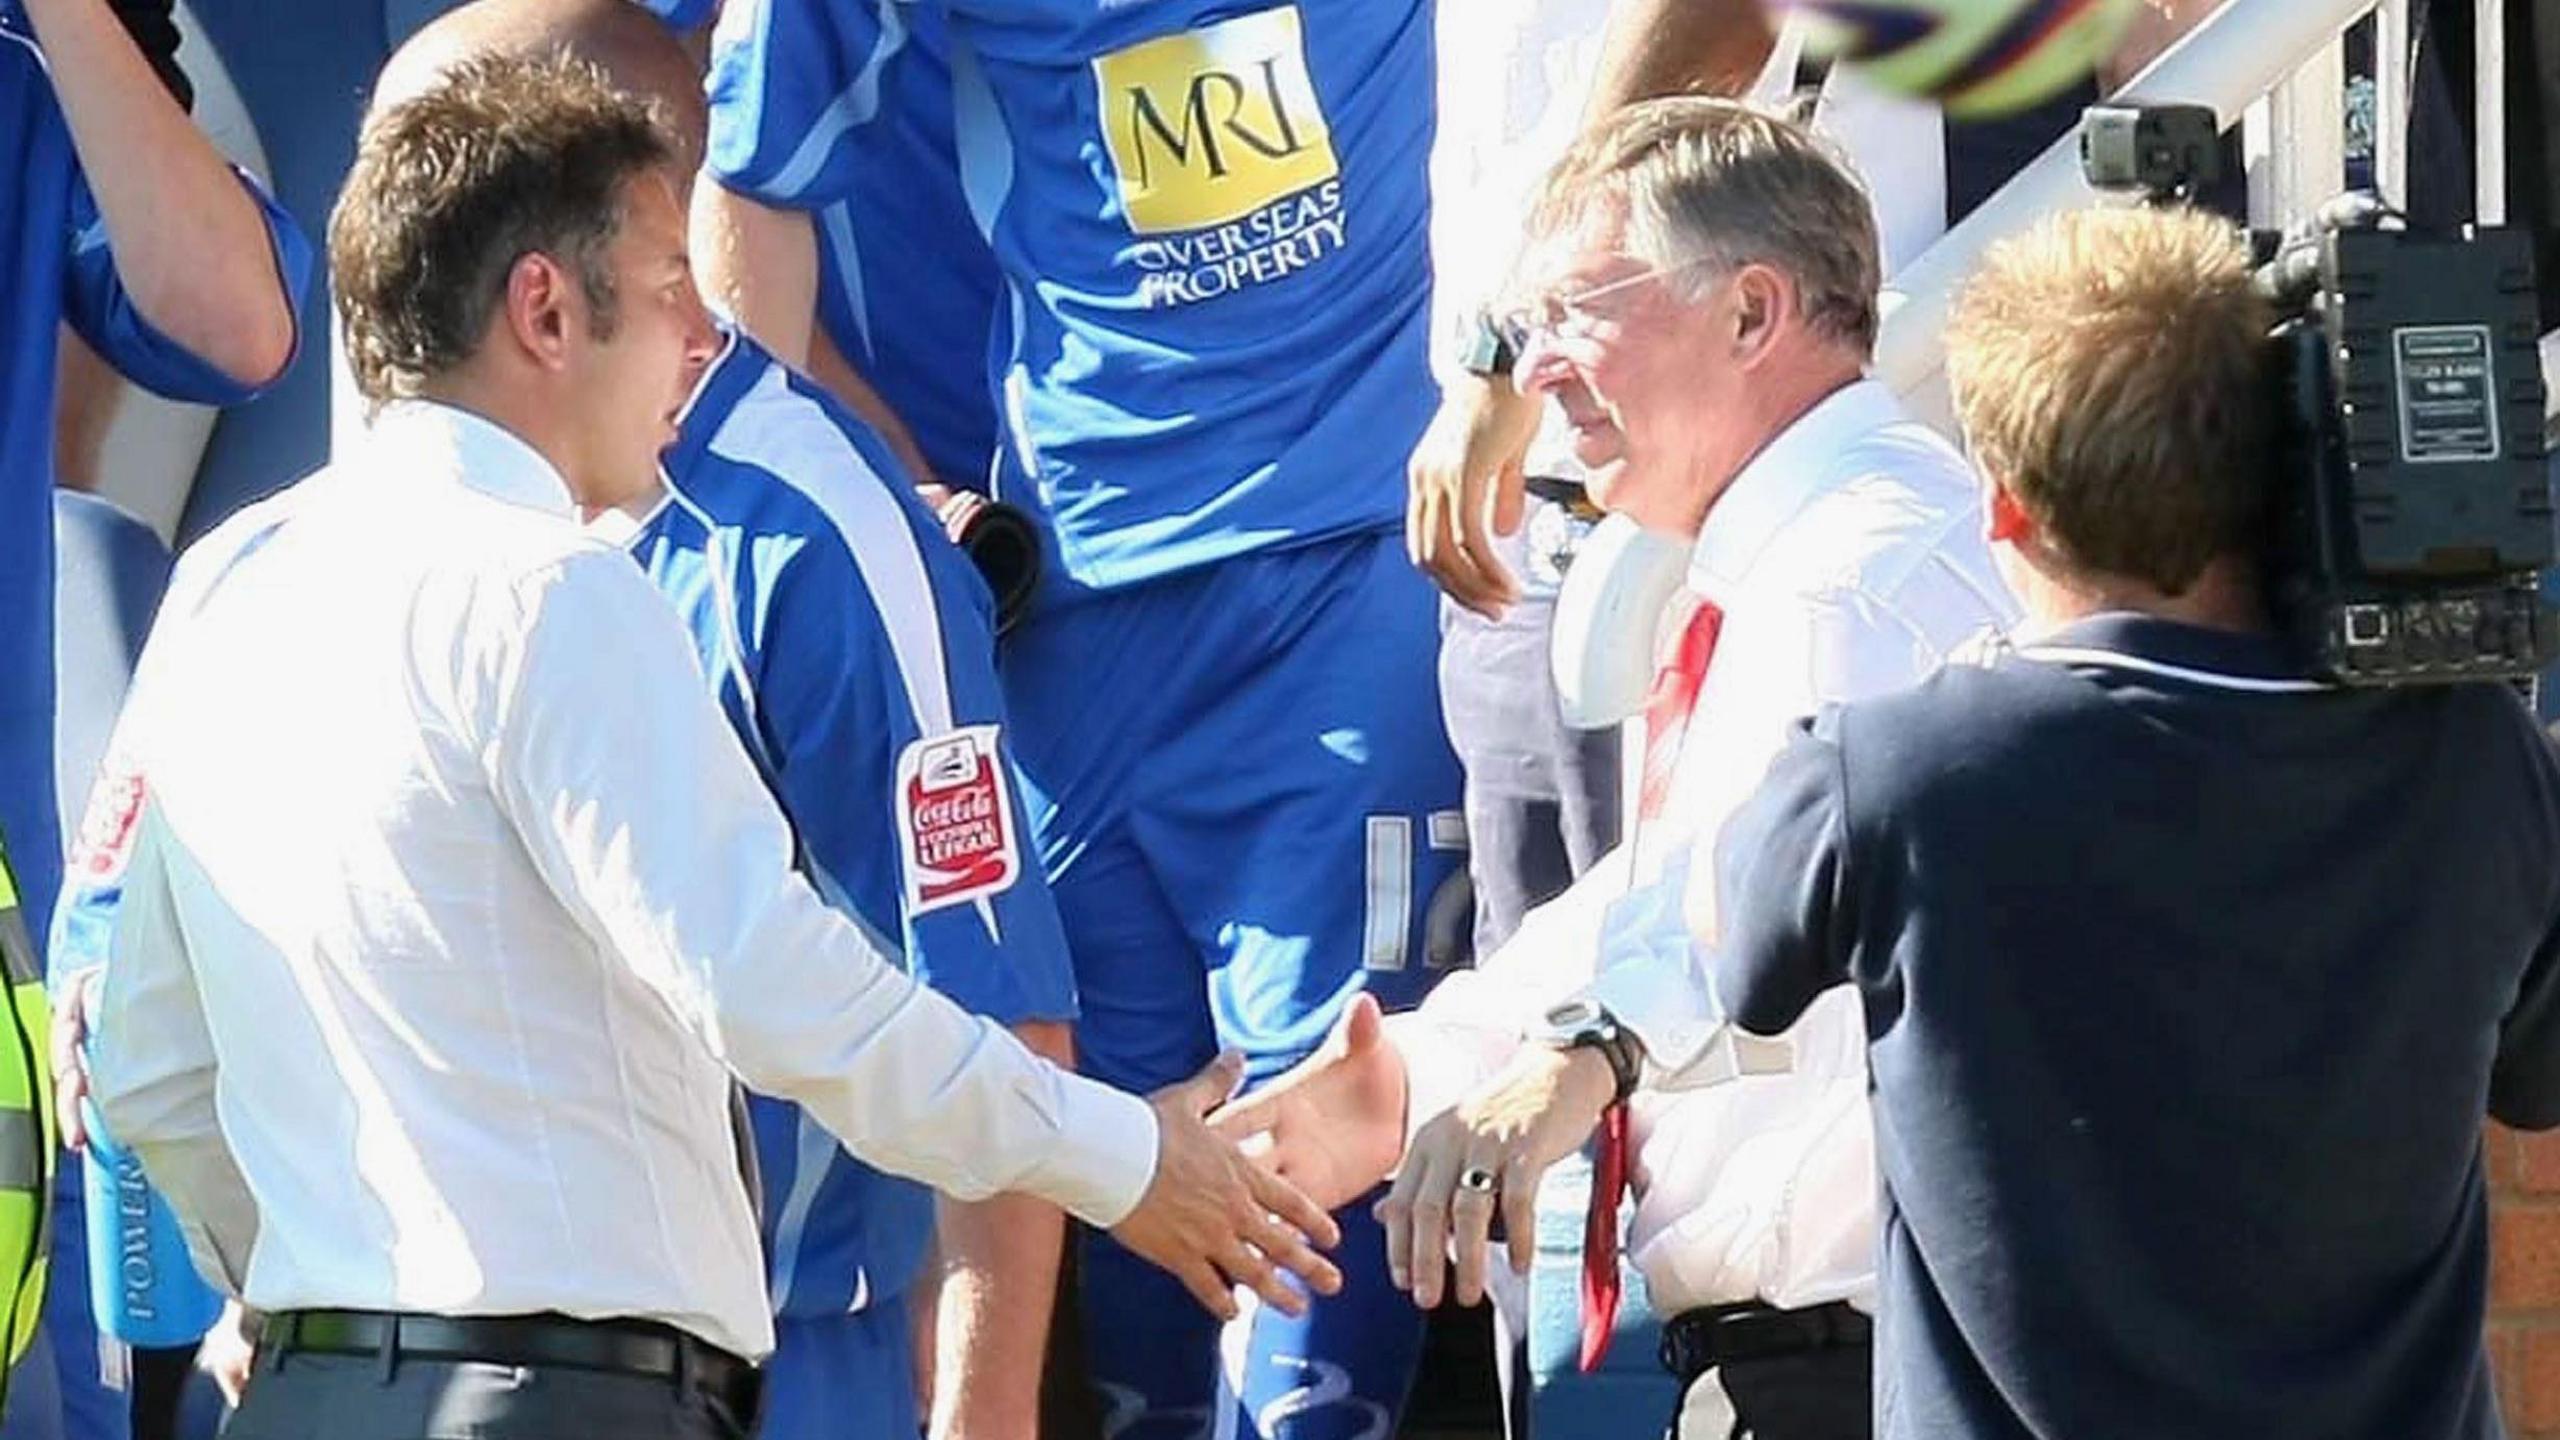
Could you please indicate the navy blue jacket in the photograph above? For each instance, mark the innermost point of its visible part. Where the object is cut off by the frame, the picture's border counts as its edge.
(2187, 987)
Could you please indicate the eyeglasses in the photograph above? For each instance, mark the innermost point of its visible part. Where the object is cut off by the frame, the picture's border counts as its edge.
(1552, 317)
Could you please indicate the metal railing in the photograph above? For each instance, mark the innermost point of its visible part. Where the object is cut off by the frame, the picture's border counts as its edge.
(2276, 67)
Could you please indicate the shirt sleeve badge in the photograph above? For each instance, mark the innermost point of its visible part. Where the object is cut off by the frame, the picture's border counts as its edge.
(955, 819)
(105, 841)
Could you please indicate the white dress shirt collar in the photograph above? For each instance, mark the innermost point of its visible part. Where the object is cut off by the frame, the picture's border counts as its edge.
(445, 444)
(1776, 484)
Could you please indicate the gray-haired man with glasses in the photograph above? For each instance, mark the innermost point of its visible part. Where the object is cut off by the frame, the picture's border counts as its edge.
(1699, 299)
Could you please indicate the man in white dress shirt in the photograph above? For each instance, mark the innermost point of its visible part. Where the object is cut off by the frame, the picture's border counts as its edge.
(455, 906)
(1705, 278)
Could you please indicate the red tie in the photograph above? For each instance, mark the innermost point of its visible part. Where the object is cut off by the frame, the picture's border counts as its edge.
(1666, 721)
(1674, 695)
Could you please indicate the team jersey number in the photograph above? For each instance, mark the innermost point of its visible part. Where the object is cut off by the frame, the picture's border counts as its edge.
(1389, 925)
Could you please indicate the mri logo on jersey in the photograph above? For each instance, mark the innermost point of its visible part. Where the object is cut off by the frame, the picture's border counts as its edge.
(1226, 166)
(955, 819)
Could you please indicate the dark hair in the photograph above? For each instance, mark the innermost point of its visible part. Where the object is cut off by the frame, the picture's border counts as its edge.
(503, 158)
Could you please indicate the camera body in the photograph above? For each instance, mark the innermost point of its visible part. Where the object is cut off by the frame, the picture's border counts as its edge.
(2413, 513)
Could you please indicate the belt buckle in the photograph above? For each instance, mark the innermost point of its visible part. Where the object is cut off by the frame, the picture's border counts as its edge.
(1718, 1335)
(1686, 1349)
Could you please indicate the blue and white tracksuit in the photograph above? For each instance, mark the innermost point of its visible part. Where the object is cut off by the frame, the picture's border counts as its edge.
(852, 648)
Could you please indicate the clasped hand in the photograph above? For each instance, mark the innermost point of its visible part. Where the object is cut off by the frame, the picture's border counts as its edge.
(1485, 1158)
(1215, 1219)
(1334, 1126)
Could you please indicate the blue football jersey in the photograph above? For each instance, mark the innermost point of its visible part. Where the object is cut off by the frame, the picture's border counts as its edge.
(53, 246)
(681, 15)
(1211, 220)
(907, 288)
(852, 648)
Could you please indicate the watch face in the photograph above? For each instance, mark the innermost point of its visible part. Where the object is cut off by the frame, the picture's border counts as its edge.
(1573, 1019)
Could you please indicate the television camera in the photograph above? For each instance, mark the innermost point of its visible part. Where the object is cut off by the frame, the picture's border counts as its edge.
(2413, 516)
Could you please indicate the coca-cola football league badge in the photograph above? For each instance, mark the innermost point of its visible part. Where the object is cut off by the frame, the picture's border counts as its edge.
(955, 818)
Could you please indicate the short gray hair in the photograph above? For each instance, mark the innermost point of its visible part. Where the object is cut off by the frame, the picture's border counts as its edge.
(1719, 184)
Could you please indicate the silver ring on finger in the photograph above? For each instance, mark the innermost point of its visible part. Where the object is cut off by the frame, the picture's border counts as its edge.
(1477, 1180)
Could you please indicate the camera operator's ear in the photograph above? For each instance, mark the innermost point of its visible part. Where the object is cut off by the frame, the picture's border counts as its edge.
(2008, 522)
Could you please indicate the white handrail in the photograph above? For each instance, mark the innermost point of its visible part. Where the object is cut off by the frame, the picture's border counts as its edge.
(2391, 91)
(2230, 60)
(2294, 142)
(2489, 91)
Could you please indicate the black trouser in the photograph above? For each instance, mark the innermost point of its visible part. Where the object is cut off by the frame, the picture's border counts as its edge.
(1788, 1374)
(402, 1392)
(1819, 1395)
(162, 1380)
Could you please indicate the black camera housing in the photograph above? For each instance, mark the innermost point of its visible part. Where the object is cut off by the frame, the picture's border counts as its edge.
(2413, 517)
(2167, 152)
(2416, 514)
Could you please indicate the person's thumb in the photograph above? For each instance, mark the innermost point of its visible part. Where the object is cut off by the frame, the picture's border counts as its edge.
(1212, 1087)
(1361, 1029)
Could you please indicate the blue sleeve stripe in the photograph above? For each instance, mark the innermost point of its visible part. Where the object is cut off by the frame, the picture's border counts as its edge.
(722, 586)
(984, 147)
(844, 253)
(786, 434)
(858, 105)
(816, 1160)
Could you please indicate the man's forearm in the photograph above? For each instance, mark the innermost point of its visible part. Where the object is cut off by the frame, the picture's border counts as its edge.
(1000, 1278)
(761, 265)
(1654, 48)
(190, 244)
(829, 367)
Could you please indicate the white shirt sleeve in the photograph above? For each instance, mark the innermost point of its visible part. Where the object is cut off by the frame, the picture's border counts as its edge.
(1472, 1022)
(641, 813)
(1651, 985)
(152, 1068)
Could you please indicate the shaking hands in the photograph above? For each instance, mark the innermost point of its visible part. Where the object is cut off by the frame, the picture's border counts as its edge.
(1335, 1125)
(1216, 1220)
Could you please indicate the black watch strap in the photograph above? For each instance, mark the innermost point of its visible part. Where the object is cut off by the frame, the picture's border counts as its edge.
(1625, 1054)
(1483, 349)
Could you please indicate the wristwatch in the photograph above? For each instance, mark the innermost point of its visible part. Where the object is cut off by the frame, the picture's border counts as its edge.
(1483, 349)
(1584, 1024)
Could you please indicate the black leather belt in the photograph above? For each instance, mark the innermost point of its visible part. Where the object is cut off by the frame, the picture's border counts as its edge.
(1573, 495)
(621, 1347)
(1697, 1341)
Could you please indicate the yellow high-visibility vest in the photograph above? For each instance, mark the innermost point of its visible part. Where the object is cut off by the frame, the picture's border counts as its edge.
(27, 1137)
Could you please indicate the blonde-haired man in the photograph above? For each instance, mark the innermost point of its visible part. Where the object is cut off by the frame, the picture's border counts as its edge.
(1702, 299)
(2108, 371)
(2186, 978)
